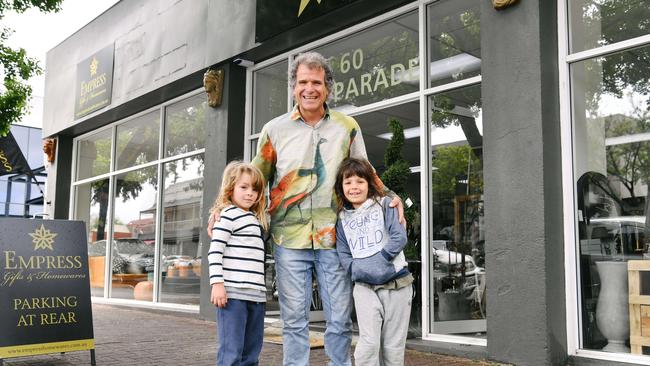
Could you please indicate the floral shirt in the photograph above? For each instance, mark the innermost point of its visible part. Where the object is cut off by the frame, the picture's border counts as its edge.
(300, 163)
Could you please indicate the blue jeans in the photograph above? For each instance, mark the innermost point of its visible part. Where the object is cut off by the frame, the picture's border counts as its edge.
(240, 328)
(294, 277)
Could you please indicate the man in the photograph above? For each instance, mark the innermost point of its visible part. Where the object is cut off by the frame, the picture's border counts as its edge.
(299, 154)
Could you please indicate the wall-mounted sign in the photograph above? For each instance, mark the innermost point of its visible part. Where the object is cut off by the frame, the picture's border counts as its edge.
(44, 288)
(12, 160)
(375, 64)
(94, 82)
(274, 17)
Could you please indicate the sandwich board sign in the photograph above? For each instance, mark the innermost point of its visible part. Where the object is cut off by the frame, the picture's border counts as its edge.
(44, 288)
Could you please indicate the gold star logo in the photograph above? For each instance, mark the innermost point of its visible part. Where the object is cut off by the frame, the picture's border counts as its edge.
(93, 66)
(303, 5)
(43, 238)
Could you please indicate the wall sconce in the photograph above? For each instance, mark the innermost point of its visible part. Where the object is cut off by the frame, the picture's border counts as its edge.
(49, 148)
(213, 85)
(502, 4)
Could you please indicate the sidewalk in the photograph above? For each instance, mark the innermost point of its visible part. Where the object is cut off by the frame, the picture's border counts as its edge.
(130, 336)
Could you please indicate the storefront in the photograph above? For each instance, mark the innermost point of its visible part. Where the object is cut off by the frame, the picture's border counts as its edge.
(22, 192)
(525, 138)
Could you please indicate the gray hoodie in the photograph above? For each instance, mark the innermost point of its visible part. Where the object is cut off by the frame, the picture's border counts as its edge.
(369, 242)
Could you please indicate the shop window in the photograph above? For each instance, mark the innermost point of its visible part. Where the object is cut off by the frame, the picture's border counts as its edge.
(611, 121)
(92, 207)
(35, 211)
(134, 234)
(185, 125)
(596, 23)
(269, 94)
(94, 154)
(34, 154)
(16, 209)
(137, 141)
(454, 40)
(17, 191)
(130, 209)
(377, 135)
(181, 250)
(457, 280)
(375, 64)
(4, 196)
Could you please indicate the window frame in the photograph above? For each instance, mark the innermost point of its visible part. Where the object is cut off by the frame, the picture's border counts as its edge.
(421, 95)
(569, 198)
(159, 162)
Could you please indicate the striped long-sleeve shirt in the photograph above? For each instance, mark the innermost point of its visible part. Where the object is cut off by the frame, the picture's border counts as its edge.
(236, 255)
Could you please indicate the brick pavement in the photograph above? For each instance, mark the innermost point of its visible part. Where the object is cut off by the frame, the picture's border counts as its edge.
(130, 336)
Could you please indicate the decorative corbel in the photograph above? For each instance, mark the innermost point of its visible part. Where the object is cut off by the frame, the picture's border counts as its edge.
(502, 4)
(49, 148)
(213, 85)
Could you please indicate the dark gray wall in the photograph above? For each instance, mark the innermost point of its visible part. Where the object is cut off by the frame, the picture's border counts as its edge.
(58, 183)
(526, 318)
(225, 133)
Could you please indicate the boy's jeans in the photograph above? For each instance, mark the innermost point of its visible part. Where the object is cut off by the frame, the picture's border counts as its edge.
(294, 275)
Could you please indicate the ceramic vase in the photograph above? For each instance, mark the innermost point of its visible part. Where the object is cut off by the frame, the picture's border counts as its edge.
(612, 312)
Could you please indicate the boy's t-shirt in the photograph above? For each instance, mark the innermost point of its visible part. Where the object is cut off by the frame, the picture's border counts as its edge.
(369, 242)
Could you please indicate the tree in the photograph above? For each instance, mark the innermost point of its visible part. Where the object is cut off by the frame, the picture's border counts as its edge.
(606, 22)
(456, 171)
(17, 67)
(395, 177)
(629, 163)
(137, 143)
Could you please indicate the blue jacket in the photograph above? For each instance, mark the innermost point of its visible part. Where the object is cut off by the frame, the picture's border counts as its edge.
(369, 242)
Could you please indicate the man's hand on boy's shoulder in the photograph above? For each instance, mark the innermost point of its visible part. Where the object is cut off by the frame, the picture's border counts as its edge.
(397, 202)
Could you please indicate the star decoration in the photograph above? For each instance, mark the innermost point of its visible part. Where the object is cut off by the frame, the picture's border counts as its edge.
(93, 66)
(43, 238)
(303, 5)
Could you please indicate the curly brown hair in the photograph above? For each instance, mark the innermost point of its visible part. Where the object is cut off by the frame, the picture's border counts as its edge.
(361, 168)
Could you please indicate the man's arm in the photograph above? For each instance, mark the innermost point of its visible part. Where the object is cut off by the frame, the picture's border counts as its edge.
(396, 234)
(266, 156)
(342, 249)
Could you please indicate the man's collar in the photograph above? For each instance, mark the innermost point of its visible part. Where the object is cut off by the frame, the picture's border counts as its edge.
(295, 113)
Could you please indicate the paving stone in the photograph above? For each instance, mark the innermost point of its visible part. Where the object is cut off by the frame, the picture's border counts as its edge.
(133, 336)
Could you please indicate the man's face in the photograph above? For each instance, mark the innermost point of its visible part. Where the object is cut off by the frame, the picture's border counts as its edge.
(310, 91)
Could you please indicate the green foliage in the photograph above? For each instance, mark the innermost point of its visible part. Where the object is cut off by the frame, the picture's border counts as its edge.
(451, 163)
(20, 6)
(17, 68)
(441, 115)
(607, 22)
(629, 163)
(397, 169)
(395, 178)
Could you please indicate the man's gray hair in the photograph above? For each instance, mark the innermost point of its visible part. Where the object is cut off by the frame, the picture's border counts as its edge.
(312, 60)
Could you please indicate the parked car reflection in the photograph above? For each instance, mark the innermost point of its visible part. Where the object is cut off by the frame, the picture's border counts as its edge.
(456, 274)
(616, 235)
(129, 256)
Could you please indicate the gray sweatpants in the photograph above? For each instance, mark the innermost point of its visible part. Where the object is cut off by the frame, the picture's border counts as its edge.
(383, 319)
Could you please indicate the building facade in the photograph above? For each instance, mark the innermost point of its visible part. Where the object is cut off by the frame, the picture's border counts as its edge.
(21, 195)
(525, 136)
